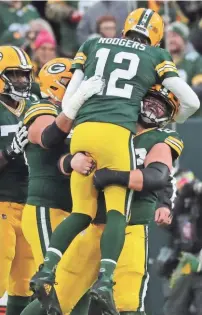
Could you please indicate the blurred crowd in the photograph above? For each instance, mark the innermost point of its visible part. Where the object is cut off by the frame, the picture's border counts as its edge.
(46, 29)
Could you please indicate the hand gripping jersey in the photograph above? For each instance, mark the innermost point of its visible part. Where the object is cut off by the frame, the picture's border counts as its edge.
(129, 69)
(47, 186)
(144, 203)
(14, 177)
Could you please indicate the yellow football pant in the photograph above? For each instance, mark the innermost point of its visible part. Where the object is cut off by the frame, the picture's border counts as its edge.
(79, 266)
(38, 223)
(16, 261)
(82, 261)
(110, 146)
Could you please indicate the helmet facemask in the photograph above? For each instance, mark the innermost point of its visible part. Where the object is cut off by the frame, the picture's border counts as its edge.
(155, 112)
(17, 83)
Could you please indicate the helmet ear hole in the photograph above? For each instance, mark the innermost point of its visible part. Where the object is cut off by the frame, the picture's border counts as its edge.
(54, 88)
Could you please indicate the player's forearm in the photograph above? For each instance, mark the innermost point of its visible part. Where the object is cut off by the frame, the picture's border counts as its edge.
(64, 123)
(189, 102)
(153, 177)
(165, 195)
(54, 133)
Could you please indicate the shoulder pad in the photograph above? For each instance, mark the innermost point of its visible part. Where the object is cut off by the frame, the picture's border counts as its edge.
(38, 110)
(173, 140)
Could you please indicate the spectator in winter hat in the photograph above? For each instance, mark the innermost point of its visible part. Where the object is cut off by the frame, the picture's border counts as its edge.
(44, 49)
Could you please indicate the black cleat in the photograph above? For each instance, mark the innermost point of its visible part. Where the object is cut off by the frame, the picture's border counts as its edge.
(42, 284)
(102, 292)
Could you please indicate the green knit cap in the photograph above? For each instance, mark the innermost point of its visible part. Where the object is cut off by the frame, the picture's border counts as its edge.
(179, 28)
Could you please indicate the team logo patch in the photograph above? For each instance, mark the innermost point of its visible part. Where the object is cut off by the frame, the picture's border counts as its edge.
(1, 56)
(56, 68)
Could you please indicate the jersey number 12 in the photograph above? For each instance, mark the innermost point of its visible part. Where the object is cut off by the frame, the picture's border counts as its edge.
(126, 92)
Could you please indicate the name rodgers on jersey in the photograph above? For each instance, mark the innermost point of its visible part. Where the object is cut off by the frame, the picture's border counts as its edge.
(122, 42)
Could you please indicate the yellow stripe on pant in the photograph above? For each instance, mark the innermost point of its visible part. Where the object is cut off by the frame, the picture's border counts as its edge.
(16, 260)
(111, 146)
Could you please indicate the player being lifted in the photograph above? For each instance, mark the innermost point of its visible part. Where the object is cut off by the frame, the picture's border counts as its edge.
(104, 127)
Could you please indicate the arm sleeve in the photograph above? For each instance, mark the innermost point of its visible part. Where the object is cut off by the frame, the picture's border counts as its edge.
(167, 195)
(189, 102)
(39, 110)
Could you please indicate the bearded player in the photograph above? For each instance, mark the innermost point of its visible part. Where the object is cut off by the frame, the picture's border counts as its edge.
(129, 66)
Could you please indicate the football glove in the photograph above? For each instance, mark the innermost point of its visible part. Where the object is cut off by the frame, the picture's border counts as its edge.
(18, 144)
(88, 88)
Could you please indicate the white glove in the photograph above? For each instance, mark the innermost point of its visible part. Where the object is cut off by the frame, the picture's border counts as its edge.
(20, 140)
(87, 88)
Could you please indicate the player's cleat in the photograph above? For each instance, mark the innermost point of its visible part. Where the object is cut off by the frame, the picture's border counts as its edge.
(42, 284)
(102, 292)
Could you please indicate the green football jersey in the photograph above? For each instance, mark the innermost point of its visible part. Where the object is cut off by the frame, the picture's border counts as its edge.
(144, 203)
(47, 186)
(129, 69)
(14, 177)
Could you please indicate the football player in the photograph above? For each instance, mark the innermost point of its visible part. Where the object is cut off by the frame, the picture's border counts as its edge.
(49, 199)
(104, 127)
(17, 264)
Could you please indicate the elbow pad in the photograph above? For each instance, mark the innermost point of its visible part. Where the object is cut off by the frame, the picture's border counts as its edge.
(155, 176)
(52, 135)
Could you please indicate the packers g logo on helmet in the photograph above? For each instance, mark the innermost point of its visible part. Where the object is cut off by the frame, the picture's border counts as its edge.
(56, 68)
(54, 77)
(146, 22)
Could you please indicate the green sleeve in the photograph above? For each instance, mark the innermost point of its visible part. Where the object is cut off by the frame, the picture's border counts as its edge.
(165, 67)
(173, 140)
(82, 55)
